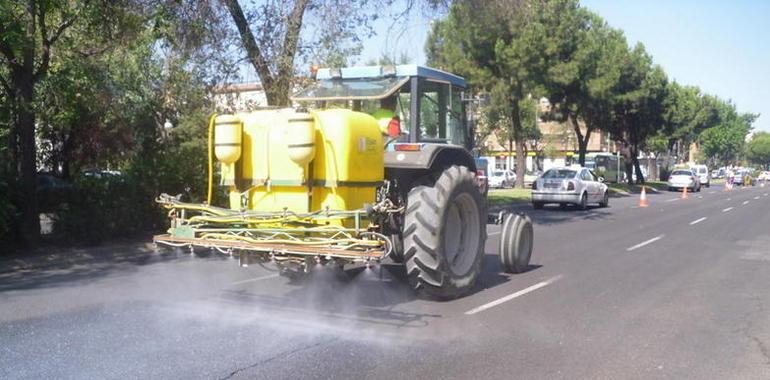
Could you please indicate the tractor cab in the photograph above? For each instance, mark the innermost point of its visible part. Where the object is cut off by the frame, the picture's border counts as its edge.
(425, 105)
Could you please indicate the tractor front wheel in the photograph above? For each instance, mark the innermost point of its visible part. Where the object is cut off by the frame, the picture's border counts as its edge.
(444, 235)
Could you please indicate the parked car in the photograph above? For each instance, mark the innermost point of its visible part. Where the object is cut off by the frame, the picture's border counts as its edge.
(577, 186)
(482, 175)
(502, 179)
(681, 178)
(743, 177)
(530, 177)
(702, 171)
(764, 176)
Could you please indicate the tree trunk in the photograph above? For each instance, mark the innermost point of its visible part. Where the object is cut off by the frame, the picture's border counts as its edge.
(629, 166)
(12, 165)
(277, 84)
(508, 160)
(521, 158)
(23, 78)
(653, 165)
(521, 162)
(30, 223)
(582, 147)
(582, 140)
(637, 168)
(278, 93)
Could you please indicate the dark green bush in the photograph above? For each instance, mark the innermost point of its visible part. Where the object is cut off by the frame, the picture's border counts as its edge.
(107, 208)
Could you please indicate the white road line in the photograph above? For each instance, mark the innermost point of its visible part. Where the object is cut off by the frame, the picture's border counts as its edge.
(757, 197)
(765, 194)
(729, 199)
(672, 199)
(512, 296)
(696, 221)
(642, 244)
(745, 202)
(712, 192)
(727, 209)
(255, 279)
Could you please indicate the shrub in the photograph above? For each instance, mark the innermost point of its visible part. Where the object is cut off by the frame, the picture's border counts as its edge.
(106, 208)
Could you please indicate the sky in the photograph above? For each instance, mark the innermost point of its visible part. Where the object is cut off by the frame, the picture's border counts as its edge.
(723, 47)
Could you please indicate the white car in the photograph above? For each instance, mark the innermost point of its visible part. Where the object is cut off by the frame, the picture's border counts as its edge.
(578, 186)
(501, 179)
(531, 177)
(702, 172)
(681, 178)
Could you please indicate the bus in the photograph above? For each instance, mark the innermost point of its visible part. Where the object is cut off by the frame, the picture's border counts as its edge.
(606, 165)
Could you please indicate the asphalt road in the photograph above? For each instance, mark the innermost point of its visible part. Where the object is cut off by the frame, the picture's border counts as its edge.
(680, 289)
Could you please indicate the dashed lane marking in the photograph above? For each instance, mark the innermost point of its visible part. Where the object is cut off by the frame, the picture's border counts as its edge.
(696, 221)
(727, 209)
(642, 244)
(745, 202)
(512, 296)
(712, 192)
(757, 197)
(672, 199)
(255, 279)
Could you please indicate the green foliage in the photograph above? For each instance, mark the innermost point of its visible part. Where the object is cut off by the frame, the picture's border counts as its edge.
(107, 208)
(758, 149)
(724, 142)
(123, 206)
(498, 47)
(657, 143)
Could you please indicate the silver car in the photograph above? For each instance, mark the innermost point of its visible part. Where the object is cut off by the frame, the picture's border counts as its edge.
(578, 186)
(681, 178)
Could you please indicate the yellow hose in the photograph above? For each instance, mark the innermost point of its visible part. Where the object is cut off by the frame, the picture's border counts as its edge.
(211, 157)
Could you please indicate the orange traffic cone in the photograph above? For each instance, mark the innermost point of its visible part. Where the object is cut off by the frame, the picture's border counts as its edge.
(643, 198)
(684, 193)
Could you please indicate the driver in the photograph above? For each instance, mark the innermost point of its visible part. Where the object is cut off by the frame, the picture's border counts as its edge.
(387, 118)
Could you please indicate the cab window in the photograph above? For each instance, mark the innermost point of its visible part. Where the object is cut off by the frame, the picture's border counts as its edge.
(441, 113)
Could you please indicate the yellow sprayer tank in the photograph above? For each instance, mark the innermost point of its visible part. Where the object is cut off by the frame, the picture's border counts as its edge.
(303, 162)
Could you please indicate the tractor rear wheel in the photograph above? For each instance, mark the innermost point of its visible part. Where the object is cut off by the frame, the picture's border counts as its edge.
(444, 235)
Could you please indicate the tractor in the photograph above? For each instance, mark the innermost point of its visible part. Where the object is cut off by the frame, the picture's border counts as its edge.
(370, 164)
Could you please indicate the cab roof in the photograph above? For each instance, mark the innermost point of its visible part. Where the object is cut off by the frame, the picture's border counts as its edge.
(401, 71)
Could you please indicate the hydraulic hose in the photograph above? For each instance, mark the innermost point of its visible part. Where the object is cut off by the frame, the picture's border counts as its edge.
(211, 158)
